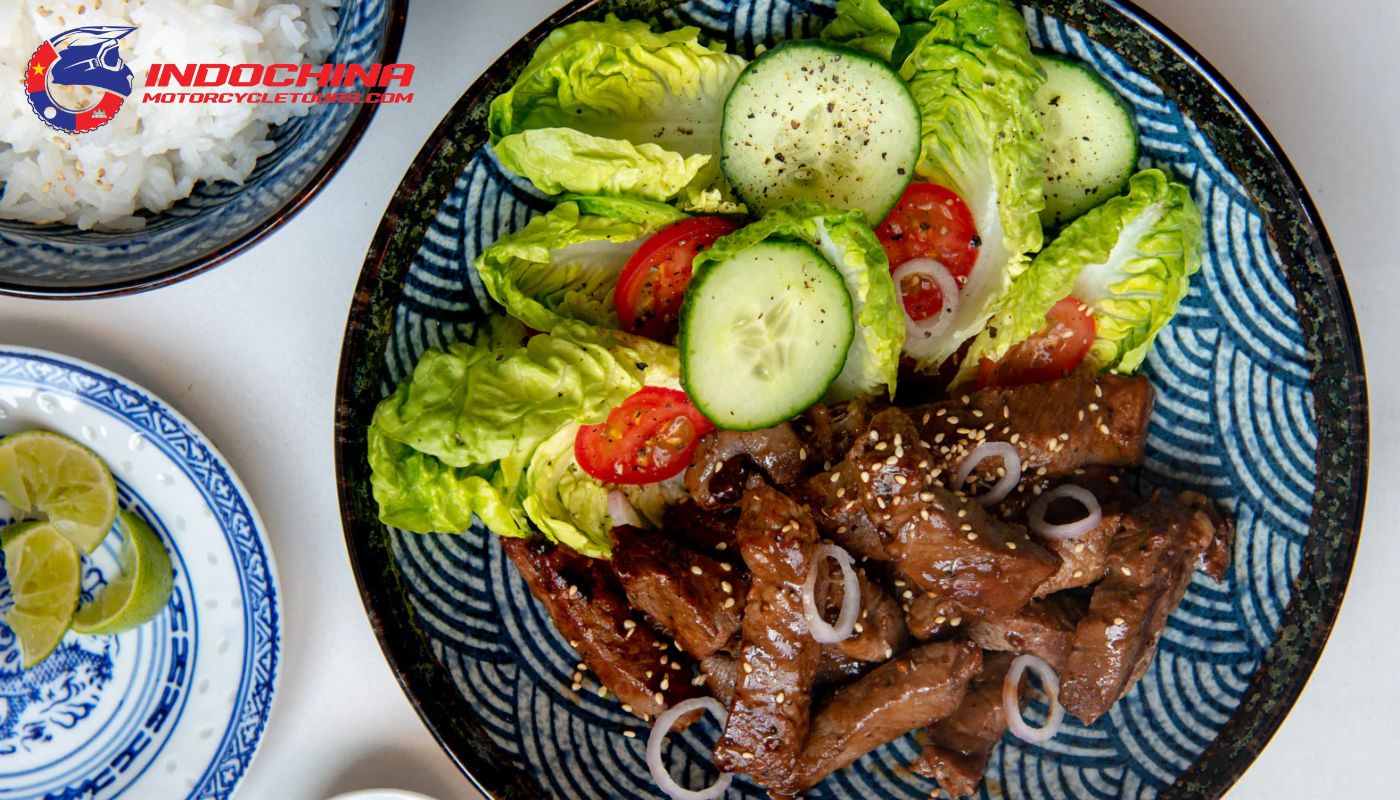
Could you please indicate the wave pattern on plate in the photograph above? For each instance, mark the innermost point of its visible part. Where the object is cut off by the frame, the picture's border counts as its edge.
(1234, 420)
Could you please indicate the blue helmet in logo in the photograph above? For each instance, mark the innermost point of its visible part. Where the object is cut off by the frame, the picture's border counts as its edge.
(91, 58)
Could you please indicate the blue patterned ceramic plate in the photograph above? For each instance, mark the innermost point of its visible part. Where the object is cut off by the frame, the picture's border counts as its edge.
(1261, 405)
(176, 707)
(218, 220)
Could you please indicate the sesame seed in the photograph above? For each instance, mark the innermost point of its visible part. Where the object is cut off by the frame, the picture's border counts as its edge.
(939, 438)
(891, 461)
(898, 439)
(835, 477)
(665, 683)
(1079, 548)
(727, 587)
(923, 464)
(659, 698)
(874, 435)
(627, 707)
(630, 734)
(729, 603)
(575, 687)
(859, 628)
(1125, 570)
(698, 680)
(881, 446)
(1093, 406)
(780, 697)
(802, 453)
(955, 621)
(1010, 545)
(1079, 573)
(748, 668)
(1081, 415)
(907, 595)
(695, 570)
(942, 411)
(901, 480)
(972, 537)
(748, 754)
(840, 493)
(1015, 437)
(927, 497)
(923, 514)
(865, 476)
(727, 567)
(977, 414)
(939, 620)
(1119, 621)
(880, 501)
(722, 546)
(1104, 429)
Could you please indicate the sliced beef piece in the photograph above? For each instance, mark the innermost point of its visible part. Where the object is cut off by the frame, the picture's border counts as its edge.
(710, 531)
(932, 616)
(588, 607)
(829, 431)
(880, 630)
(1045, 423)
(1043, 628)
(834, 498)
(728, 462)
(720, 672)
(1215, 561)
(940, 541)
(693, 597)
(960, 745)
(909, 692)
(1084, 559)
(778, 658)
(1150, 564)
(835, 670)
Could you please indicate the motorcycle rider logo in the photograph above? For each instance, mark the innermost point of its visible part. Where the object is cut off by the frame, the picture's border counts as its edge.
(87, 60)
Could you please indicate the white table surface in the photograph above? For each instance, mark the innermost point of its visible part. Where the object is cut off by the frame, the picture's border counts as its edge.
(249, 353)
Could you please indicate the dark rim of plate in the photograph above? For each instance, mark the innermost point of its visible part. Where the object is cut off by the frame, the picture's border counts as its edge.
(393, 37)
(1247, 148)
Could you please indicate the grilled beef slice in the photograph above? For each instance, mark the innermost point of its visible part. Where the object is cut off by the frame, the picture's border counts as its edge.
(932, 617)
(960, 745)
(1043, 628)
(829, 431)
(588, 607)
(1045, 423)
(939, 540)
(880, 630)
(834, 499)
(728, 462)
(778, 658)
(709, 531)
(693, 597)
(1150, 564)
(906, 693)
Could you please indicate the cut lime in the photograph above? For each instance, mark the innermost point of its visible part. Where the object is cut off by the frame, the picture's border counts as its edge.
(45, 573)
(49, 473)
(142, 589)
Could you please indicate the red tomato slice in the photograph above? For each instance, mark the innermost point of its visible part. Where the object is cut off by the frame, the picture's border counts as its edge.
(650, 437)
(1053, 353)
(652, 285)
(929, 221)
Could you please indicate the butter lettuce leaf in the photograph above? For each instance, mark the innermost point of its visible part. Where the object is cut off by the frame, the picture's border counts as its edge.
(470, 405)
(564, 264)
(1130, 261)
(644, 109)
(566, 504)
(975, 78)
(417, 492)
(865, 25)
(846, 240)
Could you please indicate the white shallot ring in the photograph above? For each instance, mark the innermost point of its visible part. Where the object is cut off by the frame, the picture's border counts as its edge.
(822, 631)
(1011, 468)
(621, 510)
(1068, 530)
(938, 324)
(662, 729)
(1011, 699)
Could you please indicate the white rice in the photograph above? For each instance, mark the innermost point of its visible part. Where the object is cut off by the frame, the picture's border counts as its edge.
(151, 154)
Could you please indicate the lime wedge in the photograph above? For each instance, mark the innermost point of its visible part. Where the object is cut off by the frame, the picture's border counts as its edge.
(45, 573)
(54, 475)
(142, 589)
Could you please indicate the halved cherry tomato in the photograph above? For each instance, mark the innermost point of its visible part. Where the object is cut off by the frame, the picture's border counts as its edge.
(652, 285)
(1053, 353)
(929, 221)
(650, 437)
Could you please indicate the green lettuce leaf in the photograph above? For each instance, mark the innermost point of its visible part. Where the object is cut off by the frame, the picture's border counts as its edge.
(865, 25)
(975, 78)
(417, 492)
(1130, 261)
(565, 503)
(470, 405)
(564, 264)
(845, 239)
(644, 109)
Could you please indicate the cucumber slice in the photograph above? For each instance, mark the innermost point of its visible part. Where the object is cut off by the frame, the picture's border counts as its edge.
(764, 333)
(811, 120)
(1091, 141)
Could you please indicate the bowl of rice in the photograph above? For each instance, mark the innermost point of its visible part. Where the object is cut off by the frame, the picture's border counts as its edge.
(164, 190)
